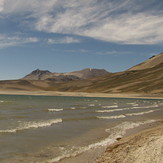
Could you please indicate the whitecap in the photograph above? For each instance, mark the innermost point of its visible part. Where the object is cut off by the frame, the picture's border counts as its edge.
(34, 125)
(113, 110)
(111, 117)
(112, 106)
(55, 110)
(145, 107)
(124, 126)
(91, 104)
(141, 113)
(73, 108)
(131, 103)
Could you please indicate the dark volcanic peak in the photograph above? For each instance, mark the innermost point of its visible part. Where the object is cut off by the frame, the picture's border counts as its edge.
(40, 72)
(38, 75)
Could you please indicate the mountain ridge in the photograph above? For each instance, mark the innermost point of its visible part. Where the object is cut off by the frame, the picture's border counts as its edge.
(151, 62)
(146, 77)
(75, 75)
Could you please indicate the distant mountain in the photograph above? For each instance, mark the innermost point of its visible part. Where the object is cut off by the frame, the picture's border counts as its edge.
(38, 75)
(151, 62)
(88, 73)
(68, 76)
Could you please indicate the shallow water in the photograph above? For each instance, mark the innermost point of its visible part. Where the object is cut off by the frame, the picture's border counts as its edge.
(49, 129)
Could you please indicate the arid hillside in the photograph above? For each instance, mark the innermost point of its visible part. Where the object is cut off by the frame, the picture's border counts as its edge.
(146, 77)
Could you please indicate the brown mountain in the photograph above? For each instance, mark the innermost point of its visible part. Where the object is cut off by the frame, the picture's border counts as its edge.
(68, 76)
(146, 77)
(151, 62)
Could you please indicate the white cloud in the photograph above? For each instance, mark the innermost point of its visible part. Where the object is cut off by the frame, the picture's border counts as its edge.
(1, 5)
(130, 29)
(64, 40)
(8, 41)
(120, 21)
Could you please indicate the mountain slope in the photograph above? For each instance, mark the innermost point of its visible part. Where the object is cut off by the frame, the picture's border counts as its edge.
(142, 81)
(88, 73)
(151, 62)
(38, 75)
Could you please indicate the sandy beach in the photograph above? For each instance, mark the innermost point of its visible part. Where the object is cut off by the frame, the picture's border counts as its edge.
(143, 147)
(82, 94)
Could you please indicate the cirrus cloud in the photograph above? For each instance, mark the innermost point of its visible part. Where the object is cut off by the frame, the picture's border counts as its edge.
(8, 41)
(121, 21)
(64, 40)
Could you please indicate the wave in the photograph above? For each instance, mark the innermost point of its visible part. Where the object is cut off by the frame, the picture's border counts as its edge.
(121, 129)
(34, 125)
(131, 103)
(123, 115)
(114, 133)
(111, 117)
(122, 109)
(91, 104)
(55, 110)
(144, 107)
(141, 113)
(6, 101)
(108, 111)
(73, 108)
(112, 106)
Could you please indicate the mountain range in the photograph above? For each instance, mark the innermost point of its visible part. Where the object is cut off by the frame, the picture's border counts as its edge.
(68, 76)
(146, 77)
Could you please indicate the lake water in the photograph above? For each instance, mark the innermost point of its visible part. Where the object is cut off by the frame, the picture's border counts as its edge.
(51, 128)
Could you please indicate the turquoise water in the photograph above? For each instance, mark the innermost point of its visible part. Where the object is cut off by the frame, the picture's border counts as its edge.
(48, 129)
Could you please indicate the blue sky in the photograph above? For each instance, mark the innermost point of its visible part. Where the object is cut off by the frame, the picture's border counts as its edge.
(69, 35)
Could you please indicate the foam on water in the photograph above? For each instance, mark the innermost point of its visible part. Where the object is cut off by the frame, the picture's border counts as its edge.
(141, 113)
(124, 115)
(122, 109)
(114, 133)
(6, 101)
(120, 130)
(73, 108)
(144, 107)
(131, 103)
(34, 125)
(112, 106)
(111, 117)
(108, 111)
(91, 104)
(55, 110)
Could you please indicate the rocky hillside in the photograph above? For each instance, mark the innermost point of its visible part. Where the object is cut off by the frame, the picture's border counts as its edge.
(68, 76)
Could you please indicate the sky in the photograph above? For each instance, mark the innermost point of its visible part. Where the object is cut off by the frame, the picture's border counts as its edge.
(70, 35)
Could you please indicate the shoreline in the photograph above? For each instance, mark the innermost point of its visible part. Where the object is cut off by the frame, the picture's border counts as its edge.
(84, 94)
(99, 153)
(142, 146)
